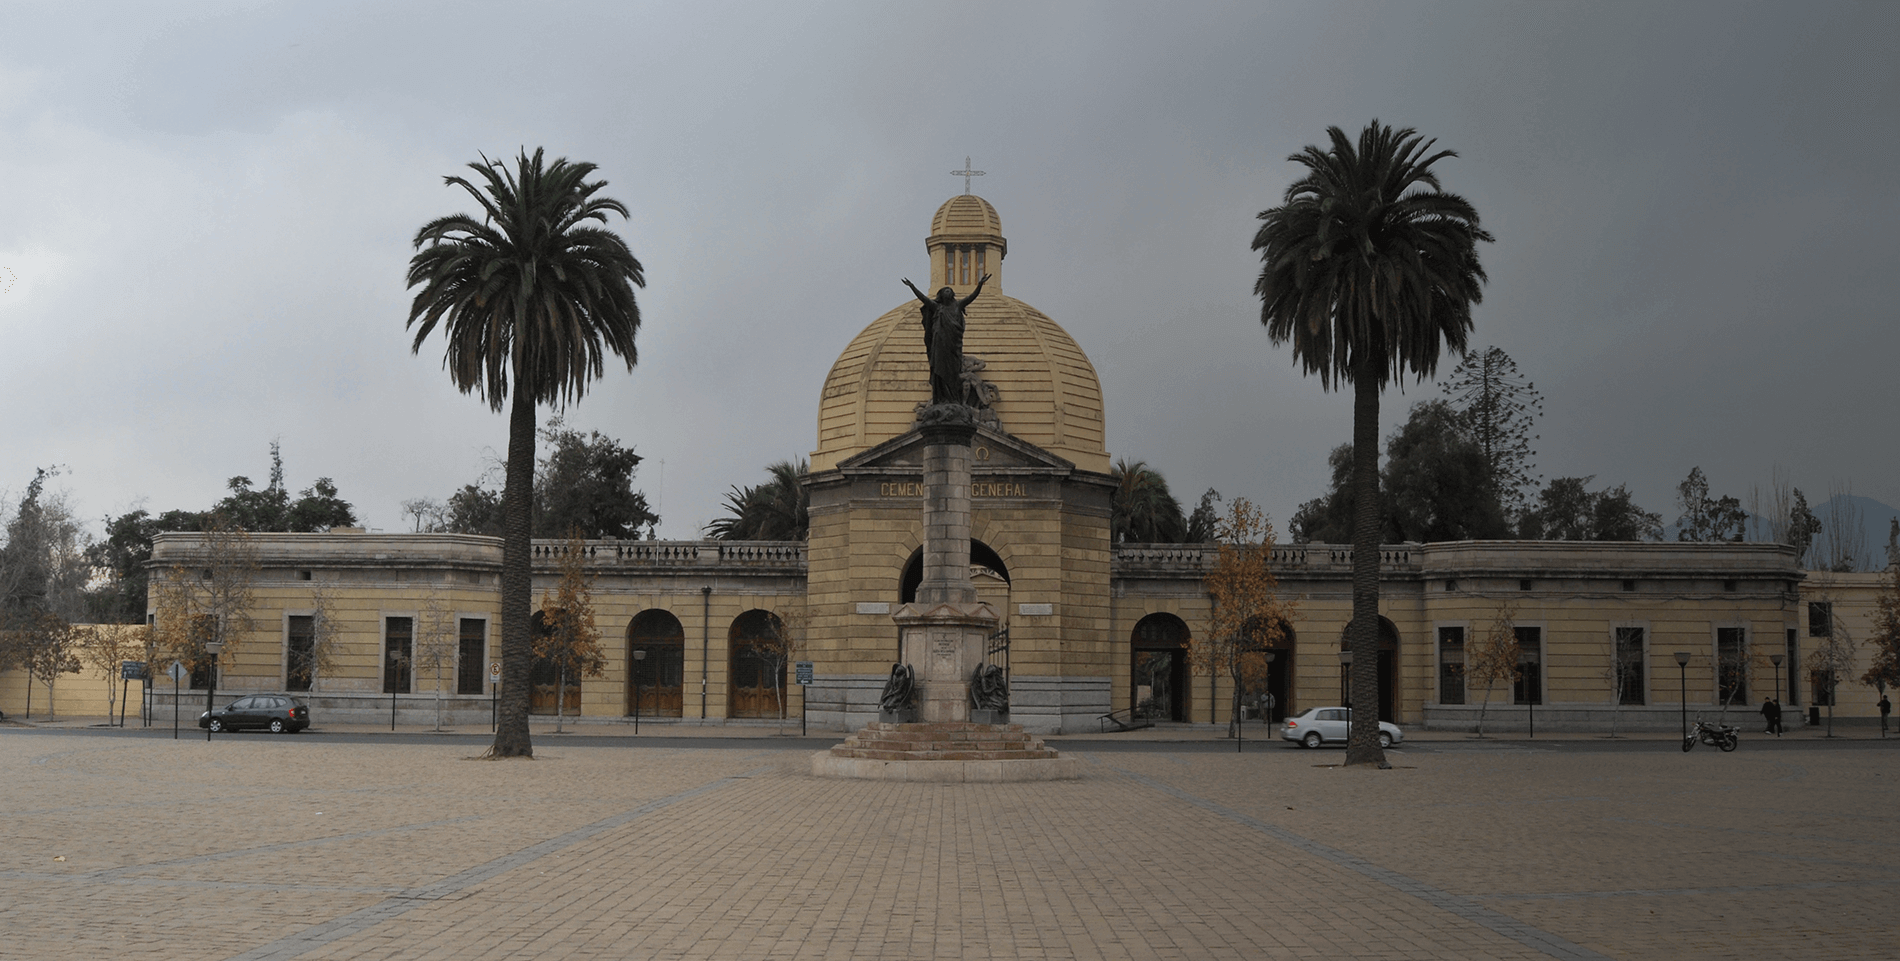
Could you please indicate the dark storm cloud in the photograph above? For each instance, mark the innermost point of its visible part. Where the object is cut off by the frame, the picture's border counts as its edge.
(210, 207)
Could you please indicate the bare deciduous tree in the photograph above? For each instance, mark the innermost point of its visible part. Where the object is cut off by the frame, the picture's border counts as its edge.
(436, 642)
(1249, 617)
(1833, 655)
(208, 595)
(1845, 530)
(568, 636)
(1494, 658)
(783, 643)
(104, 647)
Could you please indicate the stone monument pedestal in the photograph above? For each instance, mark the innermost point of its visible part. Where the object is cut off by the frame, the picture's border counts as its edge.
(944, 634)
(944, 644)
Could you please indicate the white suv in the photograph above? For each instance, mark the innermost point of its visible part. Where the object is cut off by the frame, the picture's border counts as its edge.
(1330, 725)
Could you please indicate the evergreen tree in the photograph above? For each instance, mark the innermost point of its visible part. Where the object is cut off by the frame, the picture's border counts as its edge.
(1500, 407)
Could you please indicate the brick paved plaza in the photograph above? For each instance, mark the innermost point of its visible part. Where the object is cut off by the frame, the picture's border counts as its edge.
(256, 847)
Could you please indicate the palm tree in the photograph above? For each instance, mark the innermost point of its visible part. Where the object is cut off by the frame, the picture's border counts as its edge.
(777, 510)
(530, 293)
(1367, 268)
(1144, 511)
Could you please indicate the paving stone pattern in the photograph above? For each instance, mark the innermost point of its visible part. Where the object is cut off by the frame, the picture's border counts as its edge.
(255, 847)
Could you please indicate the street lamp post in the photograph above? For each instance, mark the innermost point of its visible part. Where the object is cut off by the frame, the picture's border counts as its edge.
(1776, 660)
(1345, 675)
(211, 682)
(639, 657)
(1682, 665)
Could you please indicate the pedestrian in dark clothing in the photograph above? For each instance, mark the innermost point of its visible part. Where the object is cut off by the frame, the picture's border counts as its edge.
(1886, 708)
(1771, 717)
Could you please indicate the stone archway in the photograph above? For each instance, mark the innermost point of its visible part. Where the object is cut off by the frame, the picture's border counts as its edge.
(990, 574)
(658, 680)
(1280, 675)
(1387, 674)
(545, 689)
(755, 675)
(1158, 674)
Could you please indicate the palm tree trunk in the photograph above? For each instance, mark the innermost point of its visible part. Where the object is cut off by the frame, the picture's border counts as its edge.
(517, 587)
(1362, 744)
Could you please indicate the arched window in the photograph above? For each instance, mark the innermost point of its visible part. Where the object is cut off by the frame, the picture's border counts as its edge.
(656, 683)
(1158, 669)
(755, 684)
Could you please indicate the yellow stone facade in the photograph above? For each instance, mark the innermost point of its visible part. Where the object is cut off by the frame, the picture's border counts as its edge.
(1088, 620)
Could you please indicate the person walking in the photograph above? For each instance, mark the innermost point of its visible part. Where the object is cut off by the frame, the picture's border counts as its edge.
(1886, 708)
(1771, 717)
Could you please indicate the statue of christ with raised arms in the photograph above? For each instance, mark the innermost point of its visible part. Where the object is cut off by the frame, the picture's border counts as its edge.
(943, 340)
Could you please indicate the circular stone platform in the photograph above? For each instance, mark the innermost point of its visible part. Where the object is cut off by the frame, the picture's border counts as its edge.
(945, 752)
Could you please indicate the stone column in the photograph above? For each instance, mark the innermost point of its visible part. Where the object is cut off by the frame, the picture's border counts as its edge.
(945, 629)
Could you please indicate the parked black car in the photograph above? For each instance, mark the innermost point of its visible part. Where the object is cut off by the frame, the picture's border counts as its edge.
(277, 712)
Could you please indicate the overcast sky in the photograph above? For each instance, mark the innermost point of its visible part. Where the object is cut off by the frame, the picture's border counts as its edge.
(207, 209)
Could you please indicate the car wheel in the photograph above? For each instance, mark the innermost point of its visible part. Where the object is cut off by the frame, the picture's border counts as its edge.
(276, 726)
(1312, 739)
(1385, 740)
(216, 725)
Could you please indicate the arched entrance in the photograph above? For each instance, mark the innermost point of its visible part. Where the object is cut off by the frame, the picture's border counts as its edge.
(988, 572)
(658, 681)
(756, 673)
(1279, 681)
(545, 688)
(981, 555)
(1388, 670)
(1158, 670)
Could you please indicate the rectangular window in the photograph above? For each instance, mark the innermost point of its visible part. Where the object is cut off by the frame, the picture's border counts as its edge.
(1629, 665)
(398, 653)
(1823, 684)
(1731, 655)
(300, 652)
(1529, 688)
(963, 265)
(1820, 619)
(203, 628)
(980, 258)
(471, 666)
(1451, 665)
(1793, 659)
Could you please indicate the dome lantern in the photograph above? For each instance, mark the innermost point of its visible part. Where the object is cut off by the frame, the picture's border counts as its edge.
(965, 242)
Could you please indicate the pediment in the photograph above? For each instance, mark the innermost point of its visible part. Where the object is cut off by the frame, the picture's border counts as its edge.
(992, 450)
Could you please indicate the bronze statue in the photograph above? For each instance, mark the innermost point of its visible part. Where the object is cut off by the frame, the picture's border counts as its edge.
(989, 688)
(943, 340)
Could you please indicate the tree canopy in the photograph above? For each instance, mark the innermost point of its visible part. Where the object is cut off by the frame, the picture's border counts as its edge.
(1567, 510)
(777, 510)
(1144, 511)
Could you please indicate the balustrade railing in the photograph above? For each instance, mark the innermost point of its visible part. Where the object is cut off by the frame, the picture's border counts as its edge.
(1161, 558)
(612, 553)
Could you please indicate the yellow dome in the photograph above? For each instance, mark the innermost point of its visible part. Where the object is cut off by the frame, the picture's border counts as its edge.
(1047, 391)
(967, 218)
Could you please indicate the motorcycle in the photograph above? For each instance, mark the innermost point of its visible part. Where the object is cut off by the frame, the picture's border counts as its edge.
(1714, 735)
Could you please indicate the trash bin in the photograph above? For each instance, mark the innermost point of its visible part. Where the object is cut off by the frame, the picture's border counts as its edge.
(1814, 716)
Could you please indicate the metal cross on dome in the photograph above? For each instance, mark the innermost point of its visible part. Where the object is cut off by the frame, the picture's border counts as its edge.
(966, 173)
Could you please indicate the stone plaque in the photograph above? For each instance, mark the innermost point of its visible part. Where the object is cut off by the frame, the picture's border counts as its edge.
(874, 607)
(1035, 610)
